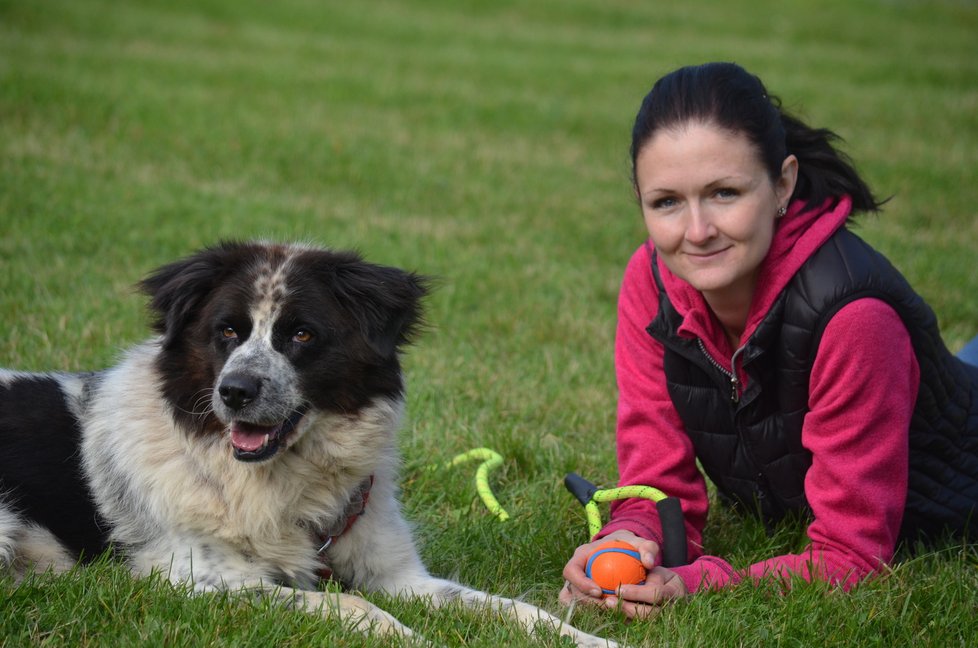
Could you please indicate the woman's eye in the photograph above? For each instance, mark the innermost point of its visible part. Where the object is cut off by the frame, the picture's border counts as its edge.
(302, 336)
(726, 192)
(663, 203)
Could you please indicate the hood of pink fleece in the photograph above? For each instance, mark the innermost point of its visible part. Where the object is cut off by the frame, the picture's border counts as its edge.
(797, 235)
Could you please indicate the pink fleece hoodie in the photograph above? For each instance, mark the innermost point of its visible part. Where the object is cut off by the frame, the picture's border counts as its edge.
(863, 388)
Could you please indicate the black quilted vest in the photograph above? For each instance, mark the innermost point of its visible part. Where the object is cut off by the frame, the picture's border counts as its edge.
(750, 446)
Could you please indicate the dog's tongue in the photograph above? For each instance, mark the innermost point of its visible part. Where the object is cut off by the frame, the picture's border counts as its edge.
(249, 438)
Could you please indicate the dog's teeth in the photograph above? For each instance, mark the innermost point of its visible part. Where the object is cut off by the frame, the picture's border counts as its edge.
(264, 443)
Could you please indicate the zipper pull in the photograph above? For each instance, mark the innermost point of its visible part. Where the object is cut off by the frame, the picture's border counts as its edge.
(734, 380)
(731, 375)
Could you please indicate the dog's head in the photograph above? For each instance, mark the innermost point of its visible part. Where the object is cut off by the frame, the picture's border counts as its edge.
(256, 336)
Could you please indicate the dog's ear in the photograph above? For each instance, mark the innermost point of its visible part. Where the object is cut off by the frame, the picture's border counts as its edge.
(385, 301)
(177, 290)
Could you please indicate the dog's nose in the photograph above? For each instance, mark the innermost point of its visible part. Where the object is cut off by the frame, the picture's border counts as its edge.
(237, 391)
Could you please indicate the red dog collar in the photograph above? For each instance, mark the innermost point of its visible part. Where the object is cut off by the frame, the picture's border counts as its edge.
(354, 509)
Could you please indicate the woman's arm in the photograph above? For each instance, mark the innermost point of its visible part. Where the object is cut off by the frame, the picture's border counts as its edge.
(653, 448)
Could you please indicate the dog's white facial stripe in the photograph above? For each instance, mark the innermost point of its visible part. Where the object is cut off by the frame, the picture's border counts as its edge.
(256, 357)
(271, 290)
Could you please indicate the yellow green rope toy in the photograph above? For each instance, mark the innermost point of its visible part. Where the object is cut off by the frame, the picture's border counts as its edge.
(490, 459)
(603, 496)
(670, 512)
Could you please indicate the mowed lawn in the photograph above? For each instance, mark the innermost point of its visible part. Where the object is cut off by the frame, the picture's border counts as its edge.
(484, 143)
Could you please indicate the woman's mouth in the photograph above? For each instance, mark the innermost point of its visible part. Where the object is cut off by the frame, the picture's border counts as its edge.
(707, 256)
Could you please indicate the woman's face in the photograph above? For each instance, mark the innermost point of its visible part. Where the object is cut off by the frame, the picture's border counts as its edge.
(710, 207)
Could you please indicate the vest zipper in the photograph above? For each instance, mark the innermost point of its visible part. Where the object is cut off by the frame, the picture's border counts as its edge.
(732, 376)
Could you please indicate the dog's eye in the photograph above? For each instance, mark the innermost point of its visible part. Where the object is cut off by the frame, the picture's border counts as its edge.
(302, 336)
(229, 333)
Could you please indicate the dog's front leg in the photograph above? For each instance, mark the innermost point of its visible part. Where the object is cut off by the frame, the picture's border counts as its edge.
(353, 611)
(379, 554)
(530, 617)
(213, 567)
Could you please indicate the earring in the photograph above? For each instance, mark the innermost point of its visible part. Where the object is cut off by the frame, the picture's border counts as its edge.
(782, 211)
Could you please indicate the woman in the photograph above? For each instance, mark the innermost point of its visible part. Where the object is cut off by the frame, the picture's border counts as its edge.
(759, 336)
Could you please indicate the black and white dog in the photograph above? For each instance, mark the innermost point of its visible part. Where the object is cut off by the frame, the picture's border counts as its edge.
(238, 449)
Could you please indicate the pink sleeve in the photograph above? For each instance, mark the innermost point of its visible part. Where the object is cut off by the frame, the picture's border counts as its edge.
(863, 389)
(653, 448)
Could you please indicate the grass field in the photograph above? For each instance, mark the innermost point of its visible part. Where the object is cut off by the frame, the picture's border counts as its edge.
(484, 143)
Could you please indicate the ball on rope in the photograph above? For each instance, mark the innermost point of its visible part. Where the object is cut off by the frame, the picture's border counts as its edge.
(613, 564)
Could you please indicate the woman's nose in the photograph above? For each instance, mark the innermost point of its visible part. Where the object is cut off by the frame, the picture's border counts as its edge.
(699, 225)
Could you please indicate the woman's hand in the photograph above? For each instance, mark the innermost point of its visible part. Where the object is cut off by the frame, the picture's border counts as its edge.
(640, 601)
(581, 588)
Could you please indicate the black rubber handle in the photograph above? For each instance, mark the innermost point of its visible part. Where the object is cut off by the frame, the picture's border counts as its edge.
(673, 532)
(580, 488)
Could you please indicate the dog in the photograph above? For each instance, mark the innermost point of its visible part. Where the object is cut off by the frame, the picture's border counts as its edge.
(249, 445)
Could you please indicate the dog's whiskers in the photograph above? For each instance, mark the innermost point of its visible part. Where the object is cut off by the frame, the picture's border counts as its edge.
(202, 406)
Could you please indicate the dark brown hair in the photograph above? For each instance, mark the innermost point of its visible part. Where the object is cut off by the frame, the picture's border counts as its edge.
(726, 95)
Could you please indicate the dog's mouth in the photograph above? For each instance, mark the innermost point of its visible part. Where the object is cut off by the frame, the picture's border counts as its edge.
(252, 442)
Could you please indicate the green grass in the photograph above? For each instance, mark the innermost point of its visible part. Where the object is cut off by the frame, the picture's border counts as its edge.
(484, 143)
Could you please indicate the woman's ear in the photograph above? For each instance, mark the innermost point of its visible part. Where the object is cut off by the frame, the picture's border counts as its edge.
(785, 186)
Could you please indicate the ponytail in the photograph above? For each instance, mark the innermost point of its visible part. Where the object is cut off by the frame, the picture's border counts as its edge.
(824, 171)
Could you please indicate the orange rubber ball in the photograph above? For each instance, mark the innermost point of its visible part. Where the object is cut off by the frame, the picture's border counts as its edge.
(613, 564)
